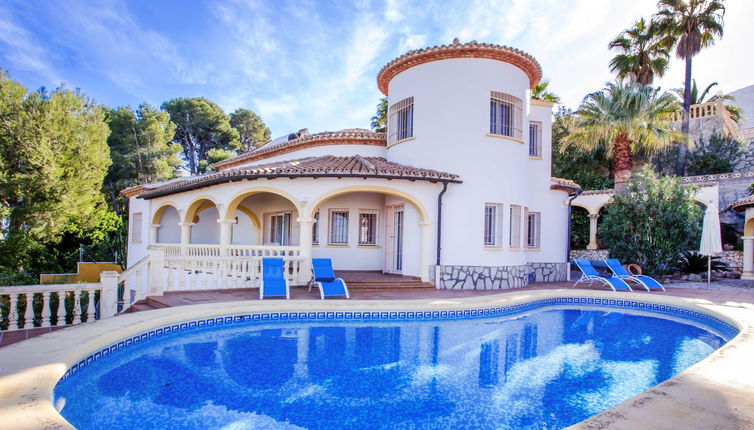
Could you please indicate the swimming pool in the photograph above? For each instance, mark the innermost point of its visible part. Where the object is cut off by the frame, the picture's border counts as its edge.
(546, 368)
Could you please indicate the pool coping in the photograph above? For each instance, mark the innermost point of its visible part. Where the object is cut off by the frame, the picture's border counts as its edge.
(717, 392)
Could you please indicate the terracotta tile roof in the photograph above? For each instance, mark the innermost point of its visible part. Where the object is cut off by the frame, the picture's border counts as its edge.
(595, 192)
(741, 204)
(472, 49)
(564, 184)
(310, 167)
(350, 136)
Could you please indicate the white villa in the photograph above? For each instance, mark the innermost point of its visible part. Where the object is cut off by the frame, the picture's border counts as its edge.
(458, 191)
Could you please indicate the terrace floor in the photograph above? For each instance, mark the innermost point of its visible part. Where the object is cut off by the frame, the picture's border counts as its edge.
(728, 292)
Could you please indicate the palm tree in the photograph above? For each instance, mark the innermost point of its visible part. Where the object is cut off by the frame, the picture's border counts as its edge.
(689, 26)
(379, 120)
(642, 55)
(696, 98)
(541, 92)
(624, 119)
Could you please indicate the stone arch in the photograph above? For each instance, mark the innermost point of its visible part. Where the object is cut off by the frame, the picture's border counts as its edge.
(252, 216)
(157, 216)
(423, 214)
(197, 203)
(749, 227)
(234, 202)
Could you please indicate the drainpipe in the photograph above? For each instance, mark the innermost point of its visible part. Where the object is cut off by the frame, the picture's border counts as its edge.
(577, 192)
(439, 220)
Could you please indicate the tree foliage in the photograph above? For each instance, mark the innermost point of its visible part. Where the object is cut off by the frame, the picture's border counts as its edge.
(689, 26)
(379, 120)
(716, 154)
(542, 92)
(252, 131)
(641, 54)
(141, 150)
(624, 119)
(651, 222)
(201, 125)
(53, 158)
(735, 112)
(588, 168)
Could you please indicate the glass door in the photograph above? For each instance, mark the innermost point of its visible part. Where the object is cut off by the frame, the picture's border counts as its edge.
(280, 228)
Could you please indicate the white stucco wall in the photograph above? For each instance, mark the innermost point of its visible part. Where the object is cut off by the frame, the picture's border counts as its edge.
(451, 126)
(138, 250)
(170, 226)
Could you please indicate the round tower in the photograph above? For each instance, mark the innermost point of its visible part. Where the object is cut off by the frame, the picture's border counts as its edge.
(466, 109)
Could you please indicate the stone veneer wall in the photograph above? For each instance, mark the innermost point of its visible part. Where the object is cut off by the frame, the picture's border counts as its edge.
(455, 277)
(734, 259)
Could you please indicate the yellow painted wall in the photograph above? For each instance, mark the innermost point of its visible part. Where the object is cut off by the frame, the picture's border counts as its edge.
(87, 272)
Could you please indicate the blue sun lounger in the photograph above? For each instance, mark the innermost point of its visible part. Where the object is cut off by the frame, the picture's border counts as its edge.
(273, 282)
(325, 280)
(649, 283)
(589, 274)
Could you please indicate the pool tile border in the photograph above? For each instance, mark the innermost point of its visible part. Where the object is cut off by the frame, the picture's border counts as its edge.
(723, 328)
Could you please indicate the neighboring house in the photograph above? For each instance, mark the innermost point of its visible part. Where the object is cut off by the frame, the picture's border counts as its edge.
(458, 191)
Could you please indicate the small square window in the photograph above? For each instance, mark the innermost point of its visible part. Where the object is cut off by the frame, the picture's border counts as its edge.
(339, 226)
(535, 139)
(136, 227)
(368, 227)
(493, 224)
(533, 228)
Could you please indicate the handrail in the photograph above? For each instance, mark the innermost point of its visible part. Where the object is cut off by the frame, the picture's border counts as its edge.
(47, 288)
(133, 269)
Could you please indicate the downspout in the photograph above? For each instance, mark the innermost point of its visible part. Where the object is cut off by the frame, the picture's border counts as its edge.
(439, 220)
(568, 232)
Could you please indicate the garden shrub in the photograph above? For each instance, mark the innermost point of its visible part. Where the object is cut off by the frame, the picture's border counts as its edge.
(652, 222)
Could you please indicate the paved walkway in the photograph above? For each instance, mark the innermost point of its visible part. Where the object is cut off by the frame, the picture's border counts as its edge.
(730, 292)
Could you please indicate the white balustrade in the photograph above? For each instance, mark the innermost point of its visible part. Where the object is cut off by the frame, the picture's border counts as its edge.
(47, 315)
(196, 273)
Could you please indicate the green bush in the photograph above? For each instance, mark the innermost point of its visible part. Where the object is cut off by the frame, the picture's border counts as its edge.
(651, 222)
(694, 262)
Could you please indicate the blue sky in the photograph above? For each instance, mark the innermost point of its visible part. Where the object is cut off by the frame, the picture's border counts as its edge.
(313, 64)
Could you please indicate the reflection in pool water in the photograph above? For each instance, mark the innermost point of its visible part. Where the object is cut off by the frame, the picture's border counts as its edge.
(548, 369)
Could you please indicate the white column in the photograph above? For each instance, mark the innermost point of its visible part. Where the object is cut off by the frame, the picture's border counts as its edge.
(226, 234)
(306, 226)
(748, 270)
(153, 229)
(185, 236)
(156, 266)
(109, 295)
(426, 250)
(593, 231)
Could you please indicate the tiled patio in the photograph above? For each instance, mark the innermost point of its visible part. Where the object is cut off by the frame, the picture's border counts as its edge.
(730, 293)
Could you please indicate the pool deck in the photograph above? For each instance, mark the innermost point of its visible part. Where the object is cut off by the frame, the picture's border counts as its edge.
(716, 393)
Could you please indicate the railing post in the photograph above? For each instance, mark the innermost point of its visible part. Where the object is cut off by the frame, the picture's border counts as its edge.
(153, 229)
(108, 296)
(156, 266)
(185, 236)
(305, 245)
(226, 234)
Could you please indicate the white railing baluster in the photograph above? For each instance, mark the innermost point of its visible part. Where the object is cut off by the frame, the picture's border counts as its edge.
(46, 314)
(90, 306)
(13, 312)
(29, 311)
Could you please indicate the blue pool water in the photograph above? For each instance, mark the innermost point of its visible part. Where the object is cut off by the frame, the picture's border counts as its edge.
(544, 370)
